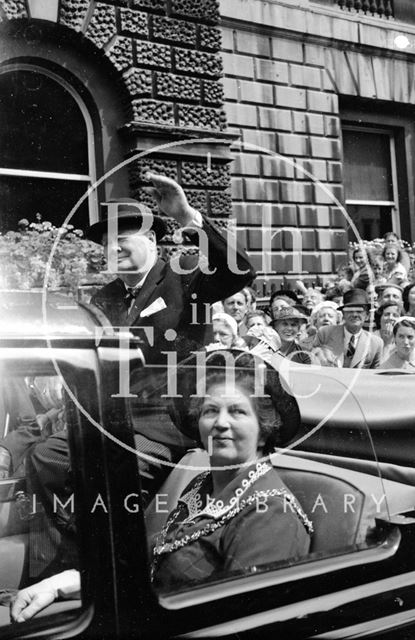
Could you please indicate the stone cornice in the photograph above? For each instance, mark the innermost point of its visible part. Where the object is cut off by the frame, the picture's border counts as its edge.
(320, 24)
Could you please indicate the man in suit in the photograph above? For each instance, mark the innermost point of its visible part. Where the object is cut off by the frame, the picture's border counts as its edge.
(350, 344)
(166, 304)
(237, 307)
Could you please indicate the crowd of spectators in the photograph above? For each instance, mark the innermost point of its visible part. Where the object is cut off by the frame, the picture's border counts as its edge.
(364, 317)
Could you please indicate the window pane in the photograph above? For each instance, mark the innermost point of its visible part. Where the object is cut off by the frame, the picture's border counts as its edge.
(37, 515)
(367, 166)
(404, 10)
(41, 126)
(371, 221)
(53, 199)
(228, 518)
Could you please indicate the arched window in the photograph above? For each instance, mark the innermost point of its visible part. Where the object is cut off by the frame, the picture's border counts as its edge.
(46, 149)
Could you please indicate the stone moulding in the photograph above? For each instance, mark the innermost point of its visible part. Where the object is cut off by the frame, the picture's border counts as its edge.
(165, 57)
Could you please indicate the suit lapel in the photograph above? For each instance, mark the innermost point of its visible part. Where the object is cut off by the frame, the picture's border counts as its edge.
(147, 291)
(362, 349)
(338, 344)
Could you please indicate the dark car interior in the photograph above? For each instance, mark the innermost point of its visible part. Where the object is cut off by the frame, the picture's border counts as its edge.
(349, 503)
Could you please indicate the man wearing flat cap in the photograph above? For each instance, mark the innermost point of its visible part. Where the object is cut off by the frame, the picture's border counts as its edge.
(164, 303)
(352, 346)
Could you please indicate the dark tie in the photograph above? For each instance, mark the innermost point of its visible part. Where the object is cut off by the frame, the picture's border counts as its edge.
(351, 348)
(130, 296)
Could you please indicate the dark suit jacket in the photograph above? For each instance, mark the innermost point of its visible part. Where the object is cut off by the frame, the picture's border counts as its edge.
(368, 351)
(172, 301)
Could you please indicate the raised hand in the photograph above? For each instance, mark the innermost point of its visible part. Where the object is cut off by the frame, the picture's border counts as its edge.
(171, 198)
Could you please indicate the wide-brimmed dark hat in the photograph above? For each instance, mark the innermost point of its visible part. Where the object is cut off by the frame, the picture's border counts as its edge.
(131, 214)
(192, 371)
(289, 313)
(355, 298)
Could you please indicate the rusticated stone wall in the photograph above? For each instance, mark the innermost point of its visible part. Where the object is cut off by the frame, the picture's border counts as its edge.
(166, 57)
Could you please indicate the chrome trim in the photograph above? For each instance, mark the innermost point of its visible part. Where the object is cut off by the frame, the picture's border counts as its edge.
(254, 581)
(321, 604)
(369, 627)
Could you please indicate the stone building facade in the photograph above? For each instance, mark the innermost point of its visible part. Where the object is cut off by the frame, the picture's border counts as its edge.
(101, 92)
(321, 95)
(292, 117)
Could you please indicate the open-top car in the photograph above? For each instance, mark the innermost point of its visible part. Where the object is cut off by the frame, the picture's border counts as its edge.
(99, 448)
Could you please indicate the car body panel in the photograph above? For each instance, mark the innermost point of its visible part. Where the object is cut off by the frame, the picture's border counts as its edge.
(354, 593)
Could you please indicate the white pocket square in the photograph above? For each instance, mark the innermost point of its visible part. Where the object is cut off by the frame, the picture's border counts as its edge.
(155, 306)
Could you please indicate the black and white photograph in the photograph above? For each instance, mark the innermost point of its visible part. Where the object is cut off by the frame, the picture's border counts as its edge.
(207, 319)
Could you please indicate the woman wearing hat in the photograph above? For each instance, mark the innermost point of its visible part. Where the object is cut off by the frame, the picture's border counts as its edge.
(403, 357)
(225, 333)
(217, 527)
(325, 314)
(287, 322)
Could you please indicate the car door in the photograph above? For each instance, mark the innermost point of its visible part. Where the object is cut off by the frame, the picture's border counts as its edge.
(129, 462)
(360, 569)
(59, 507)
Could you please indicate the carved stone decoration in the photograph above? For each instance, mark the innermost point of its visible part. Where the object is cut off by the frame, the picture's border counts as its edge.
(120, 3)
(166, 56)
(198, 62)
(121, 53)
(14, 8)
(200, 174)
(210, 38)
(172, 87)
(139, 194)
(138, 82)
(73, 12)
(134, 22)
(139, 168)
(177, 31)
(212, 92)
(199, 117)
(153, 111)
(151, 5)
(198, 200)
(220, 203)
(203, 10)
(172, 225)
(102, 26)
(153, 55)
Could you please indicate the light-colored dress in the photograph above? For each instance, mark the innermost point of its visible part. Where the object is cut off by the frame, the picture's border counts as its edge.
(388, 348)
(396, 362)
(398, 275)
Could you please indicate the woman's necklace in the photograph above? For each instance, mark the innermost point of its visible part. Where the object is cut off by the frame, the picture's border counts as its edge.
(218, 511)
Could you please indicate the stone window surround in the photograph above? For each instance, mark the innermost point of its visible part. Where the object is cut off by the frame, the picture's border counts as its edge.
(90, 178)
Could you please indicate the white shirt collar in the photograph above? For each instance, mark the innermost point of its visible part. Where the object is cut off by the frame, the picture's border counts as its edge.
(138, 285)
(348, 335)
